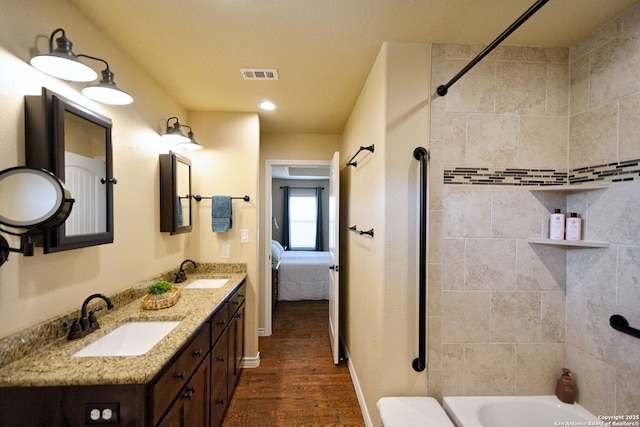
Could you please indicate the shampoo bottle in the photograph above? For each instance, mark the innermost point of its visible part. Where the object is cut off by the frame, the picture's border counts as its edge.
(574, 227)
(556, 225)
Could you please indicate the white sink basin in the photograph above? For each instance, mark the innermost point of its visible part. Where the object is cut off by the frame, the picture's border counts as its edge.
(207, 284)
(130, 339)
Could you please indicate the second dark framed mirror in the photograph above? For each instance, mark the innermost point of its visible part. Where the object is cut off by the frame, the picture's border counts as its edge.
(74, 143)
(175, 193)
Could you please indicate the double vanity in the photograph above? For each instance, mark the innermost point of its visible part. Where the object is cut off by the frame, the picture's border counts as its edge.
(171, 367)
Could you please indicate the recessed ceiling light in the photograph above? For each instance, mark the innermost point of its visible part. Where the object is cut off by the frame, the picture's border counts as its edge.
(267, 106)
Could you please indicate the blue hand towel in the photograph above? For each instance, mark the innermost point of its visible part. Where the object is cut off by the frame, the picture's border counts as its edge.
(221, 213)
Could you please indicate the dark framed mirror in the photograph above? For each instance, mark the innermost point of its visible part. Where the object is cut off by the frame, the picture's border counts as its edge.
(175, 194)
(74, 143)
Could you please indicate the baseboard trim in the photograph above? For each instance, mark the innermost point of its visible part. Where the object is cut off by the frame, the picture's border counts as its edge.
(251, 362)
(359, 394)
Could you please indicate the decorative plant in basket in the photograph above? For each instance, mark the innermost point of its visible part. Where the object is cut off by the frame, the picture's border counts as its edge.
(159, 290)
(161, 294)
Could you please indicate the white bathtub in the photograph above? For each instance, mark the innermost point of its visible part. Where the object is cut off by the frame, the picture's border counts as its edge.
(510, 411)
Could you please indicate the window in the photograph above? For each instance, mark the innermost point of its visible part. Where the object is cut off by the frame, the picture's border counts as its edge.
(303, 217)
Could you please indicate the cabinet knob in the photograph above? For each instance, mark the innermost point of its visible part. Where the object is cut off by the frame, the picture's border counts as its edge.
(111, 180)
(189, 392)
(198, 352)
(220, 402)
(220, 359)
(222, 322)
(181, 375)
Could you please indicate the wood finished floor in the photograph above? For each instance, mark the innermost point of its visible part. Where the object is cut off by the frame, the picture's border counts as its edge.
(297, 383)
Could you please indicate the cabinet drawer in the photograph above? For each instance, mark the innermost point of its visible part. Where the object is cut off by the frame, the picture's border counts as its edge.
(219, 322)
(179, 372)
(236, 300)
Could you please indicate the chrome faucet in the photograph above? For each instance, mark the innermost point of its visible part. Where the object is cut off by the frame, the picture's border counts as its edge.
(181, 276)
(87, 324)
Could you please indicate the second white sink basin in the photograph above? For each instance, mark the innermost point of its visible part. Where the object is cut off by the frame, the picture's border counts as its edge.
(129, 339)
(207, 284)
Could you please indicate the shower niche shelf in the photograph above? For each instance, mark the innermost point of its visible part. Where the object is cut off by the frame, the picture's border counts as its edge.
(569, 243)
(573, 188)
(566, 189)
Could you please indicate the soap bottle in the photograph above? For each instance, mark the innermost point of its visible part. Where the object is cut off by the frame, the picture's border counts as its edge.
(556, 225)
(565, 390)
(573, 227)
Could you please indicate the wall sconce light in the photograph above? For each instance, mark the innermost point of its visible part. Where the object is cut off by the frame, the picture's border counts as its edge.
(62, 63)
(106, 91)
(192, 144)
(174, 135)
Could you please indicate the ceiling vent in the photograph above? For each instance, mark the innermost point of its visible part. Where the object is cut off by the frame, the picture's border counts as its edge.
(259, 73)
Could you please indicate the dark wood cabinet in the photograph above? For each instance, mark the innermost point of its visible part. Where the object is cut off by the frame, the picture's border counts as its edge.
(236, 348)
(219, 372)
(192, 390)
(176, 376)
(191, 409)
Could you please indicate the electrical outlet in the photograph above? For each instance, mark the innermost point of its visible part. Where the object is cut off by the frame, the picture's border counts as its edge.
(226, 251)
(244, 236)
(102, 413)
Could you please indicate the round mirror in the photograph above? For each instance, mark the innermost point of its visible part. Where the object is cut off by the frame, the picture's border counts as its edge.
(32, 198)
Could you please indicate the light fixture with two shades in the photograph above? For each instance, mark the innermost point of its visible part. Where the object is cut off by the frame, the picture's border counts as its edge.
(174, 135)
(62, 63)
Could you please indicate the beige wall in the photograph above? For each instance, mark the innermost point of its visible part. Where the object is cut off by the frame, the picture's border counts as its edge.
(228, 165)
(379, 280)
(34, 289)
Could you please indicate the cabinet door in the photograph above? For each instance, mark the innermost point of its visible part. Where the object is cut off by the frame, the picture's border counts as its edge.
(219, 364)
(192, 407)
(236, 348)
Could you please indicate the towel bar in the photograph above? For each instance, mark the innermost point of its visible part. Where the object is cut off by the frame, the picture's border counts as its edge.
(198, 197)
(355, 164)
(355, 230)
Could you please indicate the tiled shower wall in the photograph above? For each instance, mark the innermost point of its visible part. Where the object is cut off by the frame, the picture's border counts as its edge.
(506, 315)
(605, 127)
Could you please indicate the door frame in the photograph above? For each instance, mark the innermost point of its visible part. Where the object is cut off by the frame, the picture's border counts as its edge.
(268, 236)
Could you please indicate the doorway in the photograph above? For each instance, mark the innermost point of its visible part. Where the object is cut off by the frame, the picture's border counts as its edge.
(299, 169)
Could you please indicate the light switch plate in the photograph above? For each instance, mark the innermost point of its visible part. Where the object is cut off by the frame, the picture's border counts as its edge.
(244, 236)
(226, 251)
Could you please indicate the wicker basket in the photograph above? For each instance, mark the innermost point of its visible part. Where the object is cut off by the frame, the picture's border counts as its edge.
(157, 304)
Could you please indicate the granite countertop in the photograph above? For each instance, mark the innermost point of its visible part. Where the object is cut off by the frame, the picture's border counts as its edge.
(52, 364)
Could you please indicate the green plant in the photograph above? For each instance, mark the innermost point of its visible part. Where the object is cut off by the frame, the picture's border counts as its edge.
(159, 288)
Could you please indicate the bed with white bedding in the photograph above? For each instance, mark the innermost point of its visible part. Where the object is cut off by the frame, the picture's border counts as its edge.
(302, 275)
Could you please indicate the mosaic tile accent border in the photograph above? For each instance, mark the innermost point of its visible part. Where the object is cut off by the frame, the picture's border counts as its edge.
(605, 173)
(609, 172)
